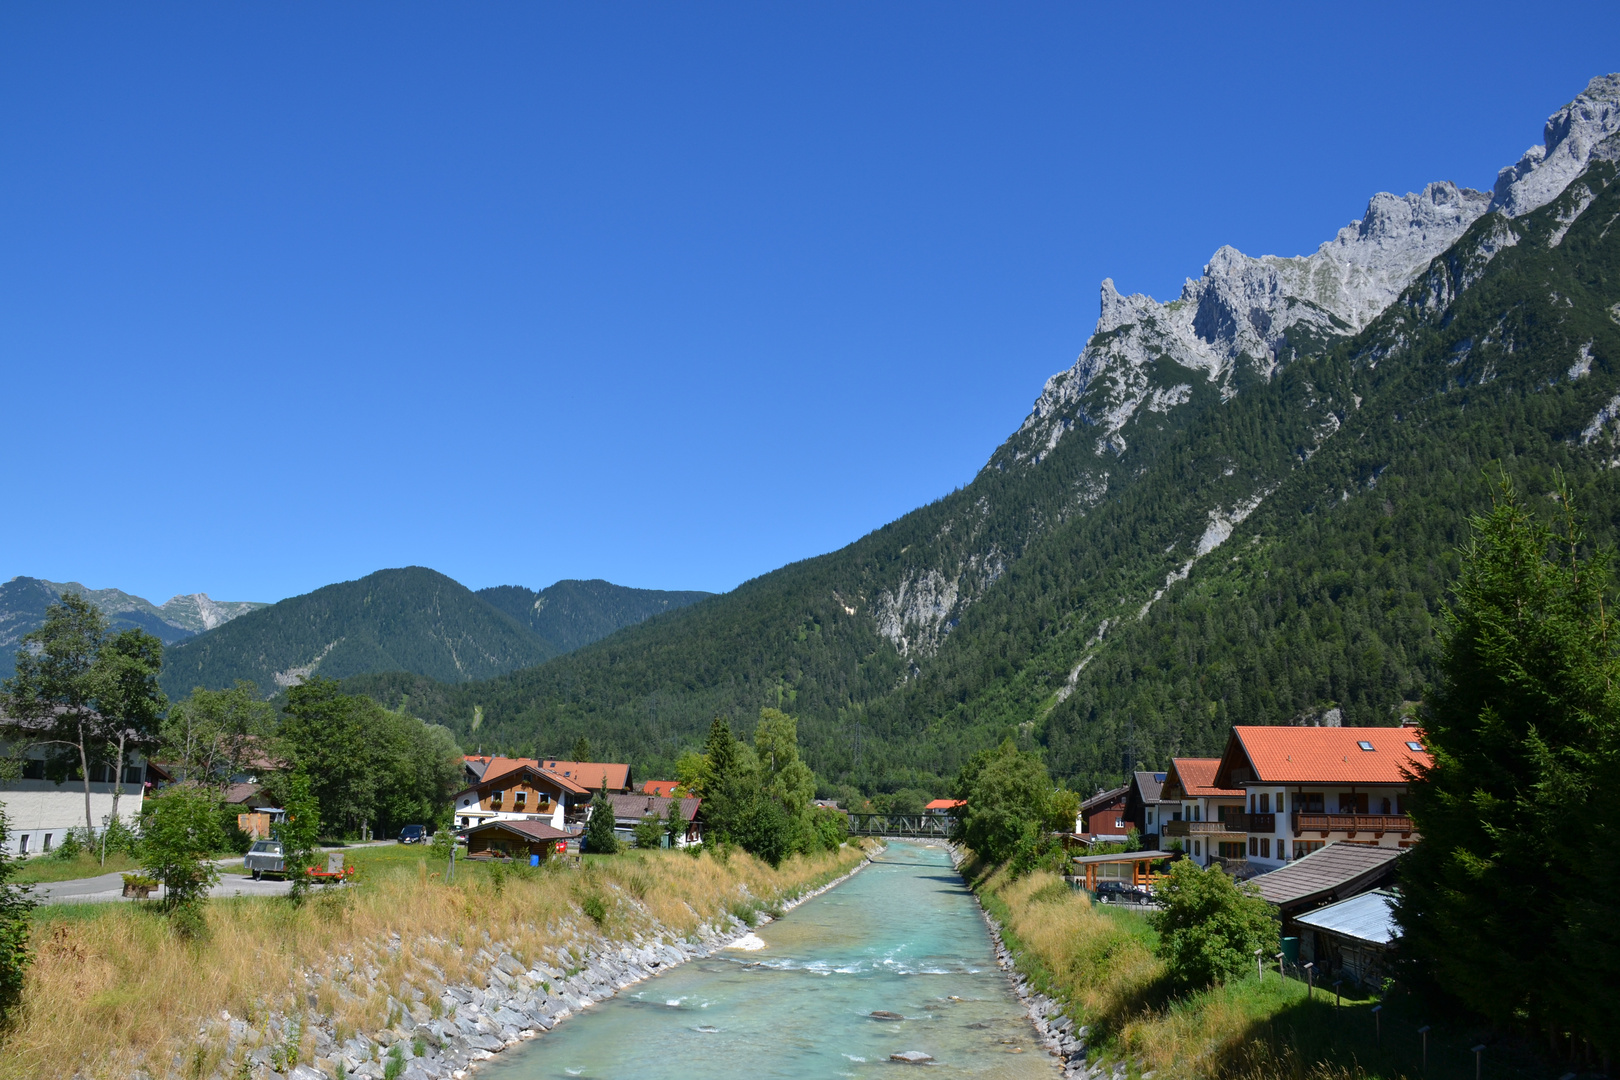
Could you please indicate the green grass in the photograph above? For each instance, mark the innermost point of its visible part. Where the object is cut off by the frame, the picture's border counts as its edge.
(44, 869)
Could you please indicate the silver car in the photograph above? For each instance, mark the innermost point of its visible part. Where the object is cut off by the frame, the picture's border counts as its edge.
(264, 857)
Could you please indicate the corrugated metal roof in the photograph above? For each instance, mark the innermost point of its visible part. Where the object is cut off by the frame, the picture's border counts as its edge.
(1338, 866)
(1369, 917)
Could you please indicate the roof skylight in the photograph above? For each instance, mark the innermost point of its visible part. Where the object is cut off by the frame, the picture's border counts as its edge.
(1365, 745)
(1410, 745)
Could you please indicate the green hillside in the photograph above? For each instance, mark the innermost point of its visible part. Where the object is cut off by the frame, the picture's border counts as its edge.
(1102, 634)
(412, 620)
(570, 614)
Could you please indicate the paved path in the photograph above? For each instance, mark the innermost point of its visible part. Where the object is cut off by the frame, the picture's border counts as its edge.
(104, 887)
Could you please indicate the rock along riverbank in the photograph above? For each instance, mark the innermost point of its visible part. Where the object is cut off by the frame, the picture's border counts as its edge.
(1063, 1039)
(448, 1038)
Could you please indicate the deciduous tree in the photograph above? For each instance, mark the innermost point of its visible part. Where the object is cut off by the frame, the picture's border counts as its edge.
(1209, 927)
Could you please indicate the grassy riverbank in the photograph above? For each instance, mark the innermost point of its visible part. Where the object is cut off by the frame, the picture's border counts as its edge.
(1100, 961)
(113, 988)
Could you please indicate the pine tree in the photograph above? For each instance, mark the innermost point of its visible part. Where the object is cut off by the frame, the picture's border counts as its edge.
(599, 838)
(1509, 901)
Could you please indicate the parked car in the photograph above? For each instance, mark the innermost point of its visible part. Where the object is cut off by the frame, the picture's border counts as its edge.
(264, 857)
(1117, 892)
(413, 834)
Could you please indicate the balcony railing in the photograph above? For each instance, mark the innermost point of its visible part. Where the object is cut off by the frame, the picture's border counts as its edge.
(1204, 828)
(1351, 824)
(1263, 823)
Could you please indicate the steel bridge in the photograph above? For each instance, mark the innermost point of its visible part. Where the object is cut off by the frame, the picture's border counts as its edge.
(923, 825)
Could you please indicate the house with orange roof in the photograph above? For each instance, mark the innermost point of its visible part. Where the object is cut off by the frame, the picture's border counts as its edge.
(943, 807)
(518, 789)
(660, 789)
(1208, 820)
(1305, 787)
(593, 774)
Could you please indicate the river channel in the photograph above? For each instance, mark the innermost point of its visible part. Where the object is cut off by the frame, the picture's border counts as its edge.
(903, 936)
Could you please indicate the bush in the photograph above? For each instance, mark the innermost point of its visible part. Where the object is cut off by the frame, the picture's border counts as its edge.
(595, 907)
(180, 833)
(829, 827)
(766, 831)
(70, 847)
(1209, 927)
(599, 838)
(15, 906)
(649, 832)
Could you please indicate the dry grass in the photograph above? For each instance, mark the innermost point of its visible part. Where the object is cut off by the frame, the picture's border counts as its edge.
(1102, 964)
(116, 989)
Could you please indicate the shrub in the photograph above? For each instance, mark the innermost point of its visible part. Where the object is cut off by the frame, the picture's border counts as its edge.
(649, 832)
(594, 907)
(15, 906)
(829, 827)
(1209, 927)
(181, 831)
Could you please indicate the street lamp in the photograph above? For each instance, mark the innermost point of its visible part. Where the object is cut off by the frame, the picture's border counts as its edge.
(1378, 1025)
(1424, 1031)
(1478, 1050)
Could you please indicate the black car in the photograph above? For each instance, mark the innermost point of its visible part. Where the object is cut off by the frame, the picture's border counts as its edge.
(1117, 892)
(413, 834)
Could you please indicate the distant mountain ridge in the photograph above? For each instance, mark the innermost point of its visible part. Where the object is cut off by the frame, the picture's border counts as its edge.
(23, 601)
(413, 620)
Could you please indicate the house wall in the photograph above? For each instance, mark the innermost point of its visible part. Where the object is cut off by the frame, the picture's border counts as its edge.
(40, 809)
(537, 804)
(1377, 808)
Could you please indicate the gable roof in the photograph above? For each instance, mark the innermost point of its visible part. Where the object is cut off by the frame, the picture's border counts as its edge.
(529, 830)
(591, 773)
(1103, 798)
(1195, 777)
(1148, 786)
(1323, 755)
(516, 770)
(662, 788)
(636, 807)
(945, 804)
(1340, 869)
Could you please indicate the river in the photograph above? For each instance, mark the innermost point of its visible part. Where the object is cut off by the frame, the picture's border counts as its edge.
(903, 936)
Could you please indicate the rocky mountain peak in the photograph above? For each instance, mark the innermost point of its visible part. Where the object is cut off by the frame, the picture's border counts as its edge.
(1571, 134)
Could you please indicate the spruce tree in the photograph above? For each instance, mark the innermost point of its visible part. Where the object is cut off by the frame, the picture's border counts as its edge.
(599, 838)
(1509, 900)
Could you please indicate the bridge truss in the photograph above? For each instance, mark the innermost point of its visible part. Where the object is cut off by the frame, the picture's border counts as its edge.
(915, 825)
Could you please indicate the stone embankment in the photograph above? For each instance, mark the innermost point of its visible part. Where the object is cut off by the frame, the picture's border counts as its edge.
(446, 1031)
(1063, 1039)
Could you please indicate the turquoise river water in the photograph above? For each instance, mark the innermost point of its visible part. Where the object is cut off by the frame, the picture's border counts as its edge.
(903, 936)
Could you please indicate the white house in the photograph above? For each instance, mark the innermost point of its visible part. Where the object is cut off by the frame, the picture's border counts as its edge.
(39, 812)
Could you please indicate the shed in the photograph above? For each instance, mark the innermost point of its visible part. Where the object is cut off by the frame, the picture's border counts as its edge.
(517, 839)
(1352, 937)
(1336, 872)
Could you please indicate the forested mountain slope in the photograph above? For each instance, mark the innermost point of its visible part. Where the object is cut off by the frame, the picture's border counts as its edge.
(410, 620)
(574, 613)
(1241, 505)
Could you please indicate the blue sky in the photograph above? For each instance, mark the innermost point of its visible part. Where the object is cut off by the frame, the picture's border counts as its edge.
(666, 294)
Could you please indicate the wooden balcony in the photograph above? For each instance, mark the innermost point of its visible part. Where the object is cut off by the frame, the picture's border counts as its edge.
(1204, 828)
(1263, 823)
(1353, 824)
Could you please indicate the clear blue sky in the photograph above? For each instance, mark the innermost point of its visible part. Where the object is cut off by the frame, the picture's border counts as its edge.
(670, 294)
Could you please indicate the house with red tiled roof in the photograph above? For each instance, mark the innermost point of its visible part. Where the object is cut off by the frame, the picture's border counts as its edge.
(1306, 787)
(1207, 819)
(663, 789)
(518, 789)
(593, 774)
(943, 807)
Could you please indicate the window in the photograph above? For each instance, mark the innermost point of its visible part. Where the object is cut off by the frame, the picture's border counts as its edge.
(522, 797)
(1254, 846)
(1303, 848)
(1310, 802)
(1417, 746)
(34, 769)
(47, 845)
(1197, 847)
(1352, 803)
(134, 774)
(1385, 805)
(1265, 847)
(1265, 803)
(1253, 802)
(1232, 849)
(1150, 817)
(22, 844)
(1364, 744)
(463, 823)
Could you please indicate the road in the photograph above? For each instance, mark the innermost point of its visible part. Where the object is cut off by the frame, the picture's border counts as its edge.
(111, 886)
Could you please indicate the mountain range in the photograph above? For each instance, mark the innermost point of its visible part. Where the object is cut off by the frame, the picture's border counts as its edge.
(23, 601)
(1244, 504)
(411, 620)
